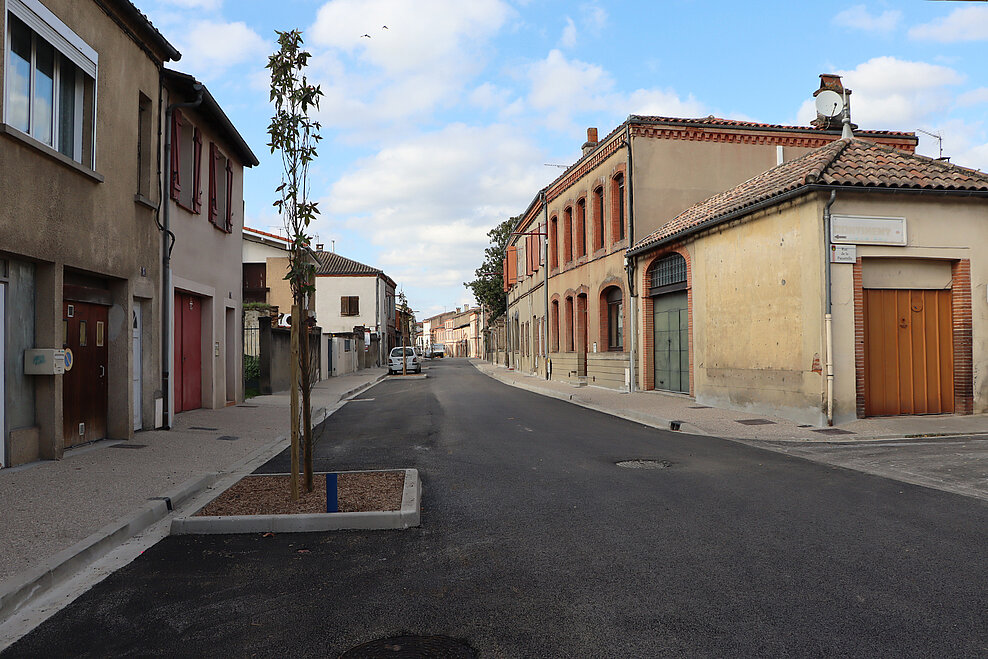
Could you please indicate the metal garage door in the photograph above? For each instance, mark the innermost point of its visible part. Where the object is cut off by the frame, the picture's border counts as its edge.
(671, 345)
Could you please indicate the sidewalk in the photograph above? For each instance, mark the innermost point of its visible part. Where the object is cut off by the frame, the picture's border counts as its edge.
(51, 506)
(659, 409)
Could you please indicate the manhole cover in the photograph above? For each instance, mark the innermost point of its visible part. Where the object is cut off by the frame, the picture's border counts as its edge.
(201, 428)
(227, 438)
(833, 431)
(645, 464)
(756, 422)
(129, 446)
(410, 647)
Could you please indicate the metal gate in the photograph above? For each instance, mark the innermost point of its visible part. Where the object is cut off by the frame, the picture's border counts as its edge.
(909, 352)
(671, 342)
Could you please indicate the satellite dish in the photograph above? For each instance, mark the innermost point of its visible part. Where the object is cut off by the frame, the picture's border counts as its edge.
(829, 103)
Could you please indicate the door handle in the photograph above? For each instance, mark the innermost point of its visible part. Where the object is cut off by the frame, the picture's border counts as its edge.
(102, 371)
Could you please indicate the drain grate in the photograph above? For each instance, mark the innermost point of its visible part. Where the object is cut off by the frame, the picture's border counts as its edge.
(699, 407)
(129, 446)
(411, 647)
(201, 428)
(645, 464)
(833, 431)
(227, 438)
(755, 422)
(250, 406)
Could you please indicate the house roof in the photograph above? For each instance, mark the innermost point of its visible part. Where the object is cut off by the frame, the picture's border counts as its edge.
(847, 163)
(753, 125)
(184, 84)
(129, 10)
(331, 263)
(273, 236)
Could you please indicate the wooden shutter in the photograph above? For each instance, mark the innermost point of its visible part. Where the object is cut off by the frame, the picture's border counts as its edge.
(512, 268)
(228, 220)
(197, 171)
(213, 210)
(504, 274)
(176, 185)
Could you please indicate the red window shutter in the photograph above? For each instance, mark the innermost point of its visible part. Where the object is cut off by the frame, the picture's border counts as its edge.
(197, 172)
(176, 186)
(229, 197)
(213, 210)
(504, 273)
(512, 265)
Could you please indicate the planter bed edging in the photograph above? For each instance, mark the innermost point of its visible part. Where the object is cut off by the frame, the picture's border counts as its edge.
(407, 516)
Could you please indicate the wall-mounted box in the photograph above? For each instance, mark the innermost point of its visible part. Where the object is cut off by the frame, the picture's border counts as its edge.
(46, 361)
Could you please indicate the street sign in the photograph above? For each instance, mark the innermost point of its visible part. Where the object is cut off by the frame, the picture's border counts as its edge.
(843, 253)
(861, 230)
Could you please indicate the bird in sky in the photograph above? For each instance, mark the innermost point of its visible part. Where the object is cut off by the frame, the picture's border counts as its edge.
(384, 27)
(365, 35)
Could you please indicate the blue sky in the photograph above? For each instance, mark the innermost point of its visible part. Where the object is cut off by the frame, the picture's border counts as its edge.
(440, 126)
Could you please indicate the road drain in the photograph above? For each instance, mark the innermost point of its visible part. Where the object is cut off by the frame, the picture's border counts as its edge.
(409, 647)
(645, 464)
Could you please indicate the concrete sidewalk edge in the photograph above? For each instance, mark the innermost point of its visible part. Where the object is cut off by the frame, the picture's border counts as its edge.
(22, 589)
(409, 515)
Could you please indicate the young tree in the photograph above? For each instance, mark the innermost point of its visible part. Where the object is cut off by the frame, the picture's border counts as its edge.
(295, 135)
(487, 287)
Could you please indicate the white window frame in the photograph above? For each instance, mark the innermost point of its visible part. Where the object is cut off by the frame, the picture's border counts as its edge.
(47, 26)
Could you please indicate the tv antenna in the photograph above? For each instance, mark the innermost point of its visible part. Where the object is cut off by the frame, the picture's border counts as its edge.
(549, 164)
(937, 136)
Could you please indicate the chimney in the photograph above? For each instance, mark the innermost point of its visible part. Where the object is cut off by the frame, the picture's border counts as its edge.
(319, 246)
(591, 142)
(832, 82)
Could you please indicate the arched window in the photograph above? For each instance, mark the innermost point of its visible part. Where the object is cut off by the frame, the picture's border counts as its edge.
(614, 300)
(667, 274)
(568, 234)
(617, 206)
(569, 325)
(581, 227)
(598, 217)
(554, 347)
(553, 243)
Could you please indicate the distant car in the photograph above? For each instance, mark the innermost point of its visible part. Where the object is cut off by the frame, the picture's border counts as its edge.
(438, 350)
(413, 362)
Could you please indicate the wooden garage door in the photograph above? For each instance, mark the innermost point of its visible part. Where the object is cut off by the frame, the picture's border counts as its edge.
(909, 354)
(188, 352)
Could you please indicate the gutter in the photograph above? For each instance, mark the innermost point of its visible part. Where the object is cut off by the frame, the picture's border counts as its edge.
(545, 268)
(630, 267)
(828, 306)
(167, 301)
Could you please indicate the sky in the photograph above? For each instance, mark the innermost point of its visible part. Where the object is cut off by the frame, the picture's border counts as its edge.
(450, 115)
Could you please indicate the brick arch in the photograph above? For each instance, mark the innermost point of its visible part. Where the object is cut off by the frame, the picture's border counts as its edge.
(612, 202)
(580, 246)
(648, 329)
(554, 312)
(603, 329)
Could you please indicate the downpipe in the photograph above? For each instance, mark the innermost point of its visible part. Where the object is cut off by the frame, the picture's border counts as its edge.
(828, 310)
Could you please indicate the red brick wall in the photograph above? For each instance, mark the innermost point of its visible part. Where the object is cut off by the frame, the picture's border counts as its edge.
(648, 320)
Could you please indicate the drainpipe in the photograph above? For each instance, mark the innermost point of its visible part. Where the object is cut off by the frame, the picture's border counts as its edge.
(545, 268)
(167, 294)
(828, 316)
(630, 268)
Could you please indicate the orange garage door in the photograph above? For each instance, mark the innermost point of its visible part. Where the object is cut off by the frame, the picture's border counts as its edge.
(909, 354)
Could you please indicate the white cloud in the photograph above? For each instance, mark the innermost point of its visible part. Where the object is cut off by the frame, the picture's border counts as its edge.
(962, 24)
(211, 47)
(488, 96)
(859, 18)
(894, 94)
(974, 97)
(664, 103)
(568, 39)
(428, 202)
(593, 17)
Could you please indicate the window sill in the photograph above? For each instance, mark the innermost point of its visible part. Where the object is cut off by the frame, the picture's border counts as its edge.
(144, 201)
(46, 150)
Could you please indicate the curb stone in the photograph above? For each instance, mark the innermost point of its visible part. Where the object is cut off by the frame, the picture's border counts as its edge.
(407, 516)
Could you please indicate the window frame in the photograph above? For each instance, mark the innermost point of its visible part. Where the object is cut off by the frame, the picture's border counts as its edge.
(68, 50)
(615, 319)
(175, 166)
(620, 208)
(580, 227)
(215, 154)
(567, 234)
(598, 217)
(553, 242)
(349, 305)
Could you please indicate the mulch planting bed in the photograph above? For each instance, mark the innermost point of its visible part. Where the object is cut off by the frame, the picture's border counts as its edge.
(271, 495)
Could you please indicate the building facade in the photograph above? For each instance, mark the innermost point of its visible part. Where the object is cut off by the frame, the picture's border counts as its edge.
(80, 251)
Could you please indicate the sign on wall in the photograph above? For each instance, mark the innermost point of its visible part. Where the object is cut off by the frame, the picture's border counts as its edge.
(843, 253)
(863, 230)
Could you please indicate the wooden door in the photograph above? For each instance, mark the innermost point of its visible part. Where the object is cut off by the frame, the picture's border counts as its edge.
(188, 352)
(582, 335)
(137, 329)
(84, 388)
(909, 352)
(671, 342)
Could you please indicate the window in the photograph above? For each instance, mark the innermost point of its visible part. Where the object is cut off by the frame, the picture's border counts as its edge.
(598, 217)
(554, 329)
(186, 163)
(553, 242)
(615, 319)
(668, 274)
(350, 305)
(220, 190)
(49, 81)
(581, 227)
(145, 149)
(619, 190)
(569, 325)
(568, 235)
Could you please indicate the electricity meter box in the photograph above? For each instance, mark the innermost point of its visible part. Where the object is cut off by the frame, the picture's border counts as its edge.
(46, 361)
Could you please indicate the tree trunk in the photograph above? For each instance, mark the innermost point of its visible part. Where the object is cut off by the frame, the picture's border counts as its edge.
(306, 368)
(294, 389)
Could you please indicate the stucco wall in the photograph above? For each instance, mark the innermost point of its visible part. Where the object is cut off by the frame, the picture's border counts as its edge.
(757, 292)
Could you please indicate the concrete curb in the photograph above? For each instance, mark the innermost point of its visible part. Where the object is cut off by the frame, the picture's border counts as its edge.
(413, 376)
(635, 417)
(362, 388)
(408, 516)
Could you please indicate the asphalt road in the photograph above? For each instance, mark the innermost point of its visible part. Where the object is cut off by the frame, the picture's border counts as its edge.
(535, 544)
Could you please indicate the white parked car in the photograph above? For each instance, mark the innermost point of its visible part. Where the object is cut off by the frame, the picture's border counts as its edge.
(413, 363)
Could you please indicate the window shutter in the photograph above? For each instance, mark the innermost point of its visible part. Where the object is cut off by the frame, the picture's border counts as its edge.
(176, 186)
(229, 197)
(344, 306)
(355, 305)
(512, 265)
(504, 274)
(212, 183)
(197, 172)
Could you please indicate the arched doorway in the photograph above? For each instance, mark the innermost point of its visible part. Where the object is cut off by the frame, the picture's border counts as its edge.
(670, 324)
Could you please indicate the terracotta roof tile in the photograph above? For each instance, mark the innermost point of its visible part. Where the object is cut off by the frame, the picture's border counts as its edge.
(733, 123)
(845, 163)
